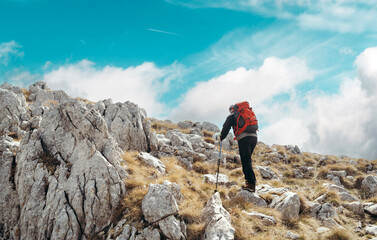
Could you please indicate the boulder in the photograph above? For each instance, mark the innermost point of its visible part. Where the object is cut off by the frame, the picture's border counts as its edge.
(342, 192)
(178, 139)
(371, 210)
(69, 178)
(218, 222)
(313, 208)
(251, 197)
(347, 197)
(293, 149)
(288, 204)
(160, 207)
(326, 211)
(211, 178)
(185, 124)
(330, 222)
(371, 229)
(152, 161)
(267, 173)
(207, 126)
(161, 201)
(355, 207)
(369, 186)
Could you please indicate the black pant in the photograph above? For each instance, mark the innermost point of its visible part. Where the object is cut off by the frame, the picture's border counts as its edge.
(246, 147)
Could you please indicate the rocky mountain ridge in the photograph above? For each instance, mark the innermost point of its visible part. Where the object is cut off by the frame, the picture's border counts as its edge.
(75, 169)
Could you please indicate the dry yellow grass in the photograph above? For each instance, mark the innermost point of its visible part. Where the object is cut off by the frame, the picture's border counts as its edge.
(196, 194)
(162, 127)
(26, 94)
(86, 101)
(339, 234)
(209, 140)
(202, 167)
(208, 133)
(50, 103)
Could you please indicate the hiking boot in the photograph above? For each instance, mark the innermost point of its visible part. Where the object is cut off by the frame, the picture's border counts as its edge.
(249, 187)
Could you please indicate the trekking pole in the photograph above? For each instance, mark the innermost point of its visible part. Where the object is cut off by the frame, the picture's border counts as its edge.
(218, 167)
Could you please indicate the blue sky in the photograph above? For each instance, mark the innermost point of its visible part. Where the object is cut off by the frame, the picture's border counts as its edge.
(307, 67)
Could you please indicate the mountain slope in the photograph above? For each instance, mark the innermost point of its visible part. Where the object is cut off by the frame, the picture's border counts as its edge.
(75, 169)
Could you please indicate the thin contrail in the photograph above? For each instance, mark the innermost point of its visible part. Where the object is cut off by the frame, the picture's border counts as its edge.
(155, 30)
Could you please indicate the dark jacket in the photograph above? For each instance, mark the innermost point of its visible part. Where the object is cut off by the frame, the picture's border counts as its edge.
(232, 122)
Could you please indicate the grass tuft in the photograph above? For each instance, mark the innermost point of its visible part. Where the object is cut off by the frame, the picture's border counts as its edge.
(338, 234)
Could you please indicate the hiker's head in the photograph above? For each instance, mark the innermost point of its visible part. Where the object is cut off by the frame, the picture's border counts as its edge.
(231, 109)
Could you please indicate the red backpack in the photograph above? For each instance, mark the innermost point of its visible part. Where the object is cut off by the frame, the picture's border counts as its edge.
(245, 118)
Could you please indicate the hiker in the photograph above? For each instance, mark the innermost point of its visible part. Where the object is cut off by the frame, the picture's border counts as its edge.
(246, 135)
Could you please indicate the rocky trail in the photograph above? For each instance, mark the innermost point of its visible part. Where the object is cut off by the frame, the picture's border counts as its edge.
(75, 169)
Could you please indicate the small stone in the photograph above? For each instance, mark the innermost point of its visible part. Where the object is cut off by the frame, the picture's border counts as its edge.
(322, 230)
(291, 235)
(371, 229)
(267, 220)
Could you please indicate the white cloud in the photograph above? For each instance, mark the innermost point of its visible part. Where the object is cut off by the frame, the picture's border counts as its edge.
(7, 49)
(346, 51)
(21, 78)
(341, 16)
(343, 122)
(142, 84)
(208, 100)
(340, 123)
(366, 64)
(335, 15)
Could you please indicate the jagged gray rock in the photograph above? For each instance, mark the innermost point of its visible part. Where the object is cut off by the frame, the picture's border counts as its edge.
(178, 139)
(288, 204)
(292, 235)
(161, 201)
(326, 211)
(207, 126)
(43, 98)
(371, 229)
(152, 161)
(293, 149)
(69, 178)
(12, 111)
(9, 204)
(218, 222)
(160, 206)
(211, 178)
(343, 193)
(313, 208)
(369, 185)
(355, 207)
(371, 210)
(185, 124)
(128, 124)
(267, 173)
